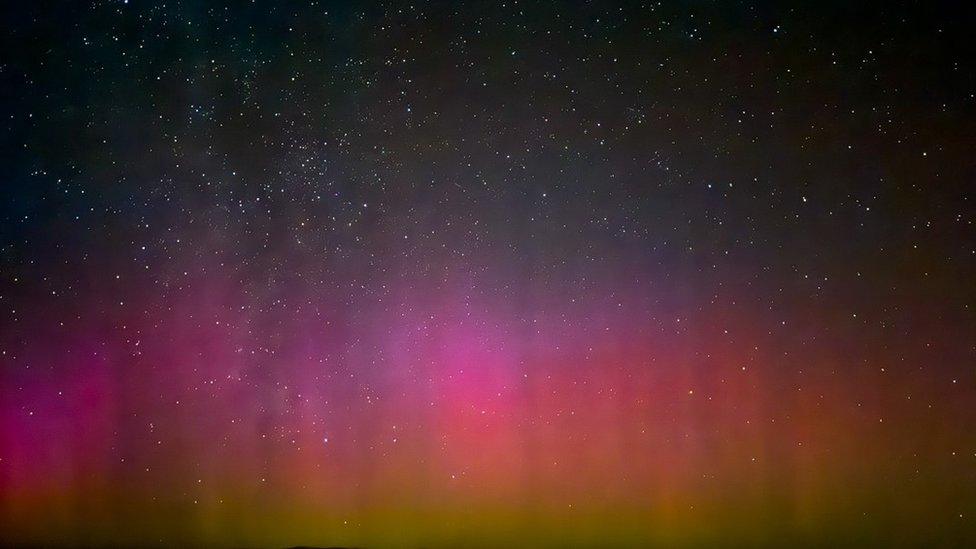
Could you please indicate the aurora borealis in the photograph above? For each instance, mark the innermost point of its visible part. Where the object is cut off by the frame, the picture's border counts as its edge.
(444, 274)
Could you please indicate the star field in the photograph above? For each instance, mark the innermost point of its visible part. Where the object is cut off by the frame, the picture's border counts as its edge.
(487, 274)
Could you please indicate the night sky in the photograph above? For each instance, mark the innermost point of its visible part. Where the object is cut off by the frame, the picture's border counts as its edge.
(487, 274)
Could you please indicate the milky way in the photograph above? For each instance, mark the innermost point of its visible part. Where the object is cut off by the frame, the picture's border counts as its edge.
(500, 274)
